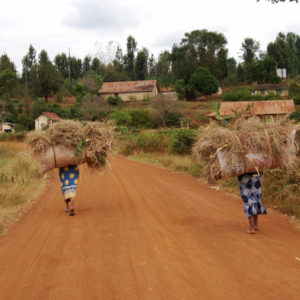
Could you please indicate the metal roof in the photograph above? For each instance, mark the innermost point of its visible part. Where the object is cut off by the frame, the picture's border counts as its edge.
(128, 86)
(270, 107)
(270, 86)
(51, 116)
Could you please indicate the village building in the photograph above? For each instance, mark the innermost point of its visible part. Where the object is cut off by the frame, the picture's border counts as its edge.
(259, 108)
(46, 120)
(130, 90)
(280, 89)
(7, 127)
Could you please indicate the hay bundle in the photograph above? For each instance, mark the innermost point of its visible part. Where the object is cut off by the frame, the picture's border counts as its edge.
(249, 145)
(98, 141)
(71, 143)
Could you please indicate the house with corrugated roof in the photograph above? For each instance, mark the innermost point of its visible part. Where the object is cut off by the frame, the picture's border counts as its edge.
(259, 108)
(46, 120)
(130, 90)
(280, 89)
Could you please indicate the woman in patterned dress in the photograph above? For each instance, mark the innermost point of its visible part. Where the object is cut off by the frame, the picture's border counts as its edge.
(68, 177)
(250, 190)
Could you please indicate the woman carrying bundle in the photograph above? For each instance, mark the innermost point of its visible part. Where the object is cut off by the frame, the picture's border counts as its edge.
(68, 177)
(250, 190)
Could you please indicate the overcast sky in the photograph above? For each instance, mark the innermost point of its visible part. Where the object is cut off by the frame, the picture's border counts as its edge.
(87, 26)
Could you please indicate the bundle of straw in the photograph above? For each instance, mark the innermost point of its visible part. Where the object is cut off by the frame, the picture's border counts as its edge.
(90, 142)
(271, 138)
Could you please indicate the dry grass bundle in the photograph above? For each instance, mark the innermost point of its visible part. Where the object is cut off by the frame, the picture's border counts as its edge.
(39, 141)
(98, 140)
(248, 134)
(67, 133)
(91, 142)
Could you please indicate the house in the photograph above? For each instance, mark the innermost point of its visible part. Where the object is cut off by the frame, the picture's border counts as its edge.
(280, 89)
(259, 108)
(45, 120)
(7, 127)
(130, 90)
(168, 90)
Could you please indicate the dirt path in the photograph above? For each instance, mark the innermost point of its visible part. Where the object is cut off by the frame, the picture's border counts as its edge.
(142, 232)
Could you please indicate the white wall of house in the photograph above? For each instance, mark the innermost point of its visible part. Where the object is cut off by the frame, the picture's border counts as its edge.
(138, 96)
(7, 128)
(275, 92)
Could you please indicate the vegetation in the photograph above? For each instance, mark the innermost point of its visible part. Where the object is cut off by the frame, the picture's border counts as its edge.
(20, 184)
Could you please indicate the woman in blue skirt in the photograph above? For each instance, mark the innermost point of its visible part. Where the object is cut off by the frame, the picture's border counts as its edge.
(250, 190)
(68, 177)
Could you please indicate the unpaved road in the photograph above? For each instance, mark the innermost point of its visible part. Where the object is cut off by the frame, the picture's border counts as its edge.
(141, 232)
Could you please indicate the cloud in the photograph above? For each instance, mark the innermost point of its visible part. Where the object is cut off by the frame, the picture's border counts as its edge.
(105, 14)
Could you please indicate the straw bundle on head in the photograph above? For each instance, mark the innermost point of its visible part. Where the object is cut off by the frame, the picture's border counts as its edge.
(67, 133)
(98, 140)
(39, 141)
(72, 142)
(271, 138)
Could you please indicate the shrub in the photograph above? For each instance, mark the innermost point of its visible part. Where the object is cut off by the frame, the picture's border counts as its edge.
(114, 100)
(141, 118)
(173, 119)
(152, 142)
(238, 95)
(182, 140)
(121, 117)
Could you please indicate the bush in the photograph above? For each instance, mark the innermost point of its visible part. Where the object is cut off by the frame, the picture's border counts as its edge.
(141, 118)
(173, 119)
(114, 100)
(243, 94)
(182, 140)
(121, 117)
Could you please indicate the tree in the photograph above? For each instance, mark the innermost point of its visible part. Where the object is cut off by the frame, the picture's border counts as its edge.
(92, 82)
(204, 82)
(8, 76)
(277, 1)
(62, 63)
(141, 65)
(94, 108)
(130, 57)
(48, 80)
(86, 66)
(164, 104)
(249, 49)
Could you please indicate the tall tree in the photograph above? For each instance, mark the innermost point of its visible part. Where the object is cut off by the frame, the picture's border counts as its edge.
(62, 63)
(249, 49)
(130, 57)
(86, 66)
(8, 76)
(141, 64)
(48, 79)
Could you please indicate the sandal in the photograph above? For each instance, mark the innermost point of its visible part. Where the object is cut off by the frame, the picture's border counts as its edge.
(71, 212)
(66, 210)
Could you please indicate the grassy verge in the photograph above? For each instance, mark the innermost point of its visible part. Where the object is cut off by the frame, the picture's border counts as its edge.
(20, 184)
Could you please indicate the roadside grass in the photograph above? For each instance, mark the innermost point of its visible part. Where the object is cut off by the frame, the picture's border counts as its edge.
(20, 184)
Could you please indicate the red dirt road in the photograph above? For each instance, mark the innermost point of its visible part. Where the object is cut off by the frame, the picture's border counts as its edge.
(141, 232)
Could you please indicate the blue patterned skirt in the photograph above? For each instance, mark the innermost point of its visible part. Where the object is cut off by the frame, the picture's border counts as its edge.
(250, 190)
(68, 177)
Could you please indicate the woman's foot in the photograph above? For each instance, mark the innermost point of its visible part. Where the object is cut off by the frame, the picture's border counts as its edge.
(71, 212)
(66, 209)
(251, 231)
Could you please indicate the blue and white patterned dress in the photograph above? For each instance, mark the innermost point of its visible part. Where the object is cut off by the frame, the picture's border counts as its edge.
(250, 190)
(68, 177)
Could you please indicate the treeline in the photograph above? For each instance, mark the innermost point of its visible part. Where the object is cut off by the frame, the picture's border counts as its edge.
(195, 66)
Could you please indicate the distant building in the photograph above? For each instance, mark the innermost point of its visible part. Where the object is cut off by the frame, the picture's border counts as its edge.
(259, 108)
(45, 120)
(280, 89)
(130, 90)
(7, 127)
(281, 73)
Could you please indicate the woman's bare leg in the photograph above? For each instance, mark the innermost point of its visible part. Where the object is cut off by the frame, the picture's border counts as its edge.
(252, 225)
(71, 212)
(256, 222)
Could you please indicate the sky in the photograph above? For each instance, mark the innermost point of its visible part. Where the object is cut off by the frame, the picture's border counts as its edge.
(88, 27)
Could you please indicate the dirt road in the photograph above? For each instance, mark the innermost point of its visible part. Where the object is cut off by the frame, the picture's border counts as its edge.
(141, 232)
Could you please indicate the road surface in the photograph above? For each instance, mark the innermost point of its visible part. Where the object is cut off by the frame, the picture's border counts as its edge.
(142, 232)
